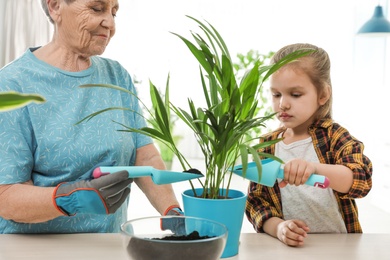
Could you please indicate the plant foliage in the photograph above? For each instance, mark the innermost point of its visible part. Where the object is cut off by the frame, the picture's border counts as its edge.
(230, 112)
(245, 62)
(12, 100)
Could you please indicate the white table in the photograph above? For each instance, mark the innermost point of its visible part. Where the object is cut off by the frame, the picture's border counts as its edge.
(253, 246)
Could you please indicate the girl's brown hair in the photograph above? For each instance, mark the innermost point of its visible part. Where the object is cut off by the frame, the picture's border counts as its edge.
(316, 65)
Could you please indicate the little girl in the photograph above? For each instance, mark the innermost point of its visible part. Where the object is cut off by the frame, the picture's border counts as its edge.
(312, 143)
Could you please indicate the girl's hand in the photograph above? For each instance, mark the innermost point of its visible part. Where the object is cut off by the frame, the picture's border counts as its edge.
(292, 232)
(296, 172)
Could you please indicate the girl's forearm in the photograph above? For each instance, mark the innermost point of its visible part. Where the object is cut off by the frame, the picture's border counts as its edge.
(270, 226)
(340, 176)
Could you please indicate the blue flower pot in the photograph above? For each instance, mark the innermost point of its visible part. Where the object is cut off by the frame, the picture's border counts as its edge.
(229, 212)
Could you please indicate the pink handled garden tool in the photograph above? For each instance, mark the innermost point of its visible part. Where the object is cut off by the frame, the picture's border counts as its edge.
(271, 170)
(158, 176)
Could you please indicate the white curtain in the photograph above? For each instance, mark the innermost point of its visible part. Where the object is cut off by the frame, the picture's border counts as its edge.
(22, 25)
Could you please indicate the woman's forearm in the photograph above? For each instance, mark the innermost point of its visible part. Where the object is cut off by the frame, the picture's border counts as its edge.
(160, 196)
(26, 203)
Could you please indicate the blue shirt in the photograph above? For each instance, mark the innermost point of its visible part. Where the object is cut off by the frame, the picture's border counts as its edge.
(42, 143)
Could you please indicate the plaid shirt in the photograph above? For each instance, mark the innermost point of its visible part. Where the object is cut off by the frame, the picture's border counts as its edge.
(333, 145)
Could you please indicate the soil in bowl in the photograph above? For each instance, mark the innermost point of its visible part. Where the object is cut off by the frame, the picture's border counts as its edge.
(194, 235)
(194, 247)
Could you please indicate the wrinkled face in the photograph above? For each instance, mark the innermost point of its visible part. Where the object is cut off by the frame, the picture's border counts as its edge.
(86, 26)
(294, 98)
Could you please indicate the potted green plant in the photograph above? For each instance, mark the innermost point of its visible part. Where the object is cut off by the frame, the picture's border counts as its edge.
(12, 100)
(220, 127)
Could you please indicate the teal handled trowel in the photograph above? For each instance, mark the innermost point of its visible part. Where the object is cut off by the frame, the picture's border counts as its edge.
(271, 170)
(158, 176)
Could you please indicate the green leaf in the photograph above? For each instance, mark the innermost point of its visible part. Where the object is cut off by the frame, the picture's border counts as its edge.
(199, 55)
(106, 86)
(89, 117)
(217, 37)
(287, 59)
(12, 100)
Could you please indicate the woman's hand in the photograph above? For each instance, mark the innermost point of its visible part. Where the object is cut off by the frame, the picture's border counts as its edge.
(292, 232)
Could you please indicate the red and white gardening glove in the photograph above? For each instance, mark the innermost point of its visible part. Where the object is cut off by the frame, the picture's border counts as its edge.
(176, 225)
(97, 196)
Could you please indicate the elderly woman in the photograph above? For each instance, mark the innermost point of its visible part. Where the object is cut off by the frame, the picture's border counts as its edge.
(45, 159)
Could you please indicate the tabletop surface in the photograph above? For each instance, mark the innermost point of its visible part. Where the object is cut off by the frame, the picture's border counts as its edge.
(252, 246)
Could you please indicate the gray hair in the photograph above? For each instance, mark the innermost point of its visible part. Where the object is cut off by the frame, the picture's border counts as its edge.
(46, 9)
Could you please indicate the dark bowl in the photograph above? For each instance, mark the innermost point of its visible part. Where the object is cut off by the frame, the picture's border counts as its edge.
(174, 237)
